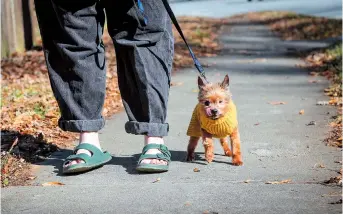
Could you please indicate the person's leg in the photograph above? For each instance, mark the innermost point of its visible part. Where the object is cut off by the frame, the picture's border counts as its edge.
(144, 47)
(71, 35)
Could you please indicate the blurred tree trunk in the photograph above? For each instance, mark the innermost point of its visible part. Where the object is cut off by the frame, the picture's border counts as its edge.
(19, 29)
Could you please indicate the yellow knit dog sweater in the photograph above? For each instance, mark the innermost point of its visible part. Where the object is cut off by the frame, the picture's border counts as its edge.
(219, 128)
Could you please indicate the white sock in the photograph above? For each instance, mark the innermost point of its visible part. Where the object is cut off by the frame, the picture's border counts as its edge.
(91, 138)
(155, 140)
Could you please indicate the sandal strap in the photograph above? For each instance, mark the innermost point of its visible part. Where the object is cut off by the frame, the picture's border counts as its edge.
(86, 158)
(158, 156)
(164, 155)
(89, 147)
(161, 147)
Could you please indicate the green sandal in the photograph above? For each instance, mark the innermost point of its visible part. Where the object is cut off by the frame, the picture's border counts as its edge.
(164, 155)
(97, 159)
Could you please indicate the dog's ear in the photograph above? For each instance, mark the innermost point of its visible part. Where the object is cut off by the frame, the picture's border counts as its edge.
(225, 82)
(200, 82)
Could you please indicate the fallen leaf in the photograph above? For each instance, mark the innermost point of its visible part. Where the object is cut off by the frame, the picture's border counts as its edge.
(157, 180)
(336, 203)
(334, 180)
(311, 123)
(187, 204)
(279, 182)
(247, 181)
(313, 81)
(257, 123)
(338, 161)
(277, 103)
(333, 124)
(332, 194)
(323, 103)
(319, 165)
(195, 91)
(196, 170)
(302, 112)
(5, 182)
(31, 178)
(53, 183)
(206, 212)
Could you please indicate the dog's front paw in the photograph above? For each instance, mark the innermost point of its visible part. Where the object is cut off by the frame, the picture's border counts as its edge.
(228, 153)
(237, 161)
(209, 157)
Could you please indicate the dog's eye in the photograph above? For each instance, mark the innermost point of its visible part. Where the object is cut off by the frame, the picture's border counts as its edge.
(220, 101)
(207, 103)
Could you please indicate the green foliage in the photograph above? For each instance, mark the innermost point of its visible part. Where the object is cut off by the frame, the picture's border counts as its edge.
(336, 64)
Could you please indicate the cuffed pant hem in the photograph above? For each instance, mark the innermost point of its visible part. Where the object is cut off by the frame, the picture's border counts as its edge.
(146, 128)
(81, 125)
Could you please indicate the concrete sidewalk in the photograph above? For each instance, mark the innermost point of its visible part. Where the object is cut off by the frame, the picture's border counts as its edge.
(276, 145)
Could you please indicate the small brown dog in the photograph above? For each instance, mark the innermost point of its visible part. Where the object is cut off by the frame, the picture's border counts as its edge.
(215, 116)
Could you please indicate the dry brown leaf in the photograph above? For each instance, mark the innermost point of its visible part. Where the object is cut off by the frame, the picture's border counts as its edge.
(277, 103)
(157, 180)
(247, 181)
(31, 178)
(319, 165)
(302, 112)
(52, 183)
(196, 170)
(334, 180)
(287, 181)
(333, 124)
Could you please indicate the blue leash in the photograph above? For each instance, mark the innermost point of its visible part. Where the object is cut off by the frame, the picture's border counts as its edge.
(174, 20)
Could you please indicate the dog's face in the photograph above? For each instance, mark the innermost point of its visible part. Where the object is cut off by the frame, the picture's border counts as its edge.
(214, 98)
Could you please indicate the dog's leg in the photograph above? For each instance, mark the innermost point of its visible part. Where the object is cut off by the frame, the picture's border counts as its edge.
(208, 145)
(236, 148)
(225, 145)
(193, 142)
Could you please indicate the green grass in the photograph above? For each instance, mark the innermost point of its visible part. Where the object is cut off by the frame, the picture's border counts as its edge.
(39, 109)
(201, 34)
(336, 64)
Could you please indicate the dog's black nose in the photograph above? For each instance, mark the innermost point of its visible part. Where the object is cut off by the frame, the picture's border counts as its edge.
(214, 111)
